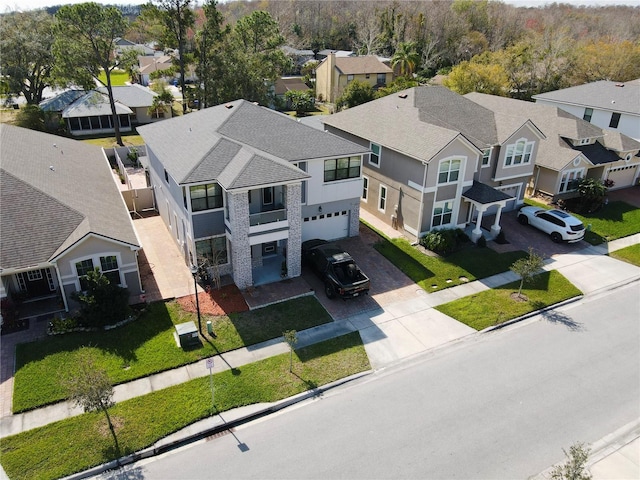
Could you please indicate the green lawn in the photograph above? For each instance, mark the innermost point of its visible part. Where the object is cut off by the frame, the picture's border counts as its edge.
(435, 273)
(110, 142)
(147, 345)
(612, 221)
(495, 306)
(78, 443)
(629, 254)
(118, 78)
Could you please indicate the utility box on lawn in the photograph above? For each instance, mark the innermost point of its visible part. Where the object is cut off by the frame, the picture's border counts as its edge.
(187, 334)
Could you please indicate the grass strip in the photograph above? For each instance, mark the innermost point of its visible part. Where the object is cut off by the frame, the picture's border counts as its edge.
(495, 306)
(614, 220)
(78, 443)
(437, 273)
(628, 254)
(148, 346)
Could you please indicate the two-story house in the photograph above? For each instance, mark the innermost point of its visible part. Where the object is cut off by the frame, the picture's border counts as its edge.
(609, 105)
(333, 74)
(62, 216)
(240, 187)
(573, 148)
(438, 159)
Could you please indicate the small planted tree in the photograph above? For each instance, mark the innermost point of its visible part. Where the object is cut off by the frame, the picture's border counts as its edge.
(300, 101)
(575, 468)
(527, 268)
(89, 387)
(291, 337)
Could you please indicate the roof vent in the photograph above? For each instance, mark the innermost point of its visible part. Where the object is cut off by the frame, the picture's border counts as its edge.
(619, 84)
(52, 168)
(228, 105)
(403, 95)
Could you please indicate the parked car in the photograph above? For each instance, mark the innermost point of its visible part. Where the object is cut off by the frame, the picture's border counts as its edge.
(558, 224)
(336, 268)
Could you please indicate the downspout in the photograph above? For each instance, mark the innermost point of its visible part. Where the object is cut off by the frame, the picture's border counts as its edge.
(421, 212)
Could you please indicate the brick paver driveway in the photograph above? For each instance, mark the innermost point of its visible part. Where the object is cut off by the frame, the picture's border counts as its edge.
(388, 284)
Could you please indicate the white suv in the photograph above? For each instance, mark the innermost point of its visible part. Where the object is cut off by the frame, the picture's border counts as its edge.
(558, 224)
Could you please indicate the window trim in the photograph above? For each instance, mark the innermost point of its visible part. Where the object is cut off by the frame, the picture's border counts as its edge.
(442, 204)
(486, 154)
(588, 114)
(210, 239)
(209, 200)
(615, 120)
(564, 179)
(376, 155)
(382, 199)
(96, 262)
(511, 153)
(450, 161)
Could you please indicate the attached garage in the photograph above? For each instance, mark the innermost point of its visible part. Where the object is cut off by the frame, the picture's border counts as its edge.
(623, 176)
(512, 191)
(328, 226)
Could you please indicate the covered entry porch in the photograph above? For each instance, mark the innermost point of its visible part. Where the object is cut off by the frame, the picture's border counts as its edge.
(483, 199)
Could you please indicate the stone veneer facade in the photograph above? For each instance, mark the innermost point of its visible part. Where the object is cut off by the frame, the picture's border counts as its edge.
(354, 220)
(294, 243)
(240, 247)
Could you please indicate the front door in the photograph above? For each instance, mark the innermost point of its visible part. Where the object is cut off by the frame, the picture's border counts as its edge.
(37, 283)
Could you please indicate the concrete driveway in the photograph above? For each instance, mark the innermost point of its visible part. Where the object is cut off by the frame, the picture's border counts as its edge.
(388, 284)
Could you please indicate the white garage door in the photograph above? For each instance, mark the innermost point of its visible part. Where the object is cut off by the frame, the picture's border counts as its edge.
(622, 176)
(327, 226)
(512, 191)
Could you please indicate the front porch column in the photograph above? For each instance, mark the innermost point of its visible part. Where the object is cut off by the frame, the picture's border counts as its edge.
(495, 228)
(294, 241)
(240, 247)
(476, 233)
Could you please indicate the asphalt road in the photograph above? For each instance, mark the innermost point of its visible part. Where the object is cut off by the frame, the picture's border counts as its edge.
(500, 405)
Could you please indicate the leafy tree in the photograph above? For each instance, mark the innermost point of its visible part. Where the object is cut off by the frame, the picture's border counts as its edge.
(527, 268)
(291, 337)
(102, 302)
(300, 101)
(406, 58)
(399, 84)
(476, 77)
(607, 60)
(356, 93)
(26, 62)
(85, 36)
(210, 54)
(32, 117)
(89, 387)
(575, 468)
(161, 103)
(178, 18)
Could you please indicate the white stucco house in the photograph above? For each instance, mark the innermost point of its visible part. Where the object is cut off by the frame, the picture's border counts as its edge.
(240, 187)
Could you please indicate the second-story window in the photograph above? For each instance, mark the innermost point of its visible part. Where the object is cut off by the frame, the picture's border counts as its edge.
(588, 113)
(518, 153)
(341, 168)
(615, 120)
(486, 156)
(205, 197)
(449, 171)
(374, 158)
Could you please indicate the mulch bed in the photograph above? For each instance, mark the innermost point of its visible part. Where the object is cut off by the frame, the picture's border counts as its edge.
(227, 299)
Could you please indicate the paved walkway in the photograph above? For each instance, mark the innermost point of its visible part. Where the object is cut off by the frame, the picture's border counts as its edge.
(398, 331)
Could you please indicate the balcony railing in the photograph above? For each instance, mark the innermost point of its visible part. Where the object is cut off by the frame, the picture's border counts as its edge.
(267, 217)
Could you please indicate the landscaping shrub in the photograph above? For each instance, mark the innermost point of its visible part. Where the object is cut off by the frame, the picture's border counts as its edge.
(445, 240)
(482, 242)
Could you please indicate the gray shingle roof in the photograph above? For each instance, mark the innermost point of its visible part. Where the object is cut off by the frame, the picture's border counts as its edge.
(58, 191)
(554, 152)
(218, 142)
(421, 121)
(621, 97)
(131, 95)
(93, 104)
(484, 194)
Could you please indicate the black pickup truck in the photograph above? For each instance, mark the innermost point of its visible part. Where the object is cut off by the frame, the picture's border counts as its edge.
(336, 268)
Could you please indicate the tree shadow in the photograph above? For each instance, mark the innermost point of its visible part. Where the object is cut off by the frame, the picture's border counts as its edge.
(559, 318)
(234, 371)
(311, 385)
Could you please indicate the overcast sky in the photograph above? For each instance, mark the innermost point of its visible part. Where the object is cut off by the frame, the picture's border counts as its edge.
(11, 5)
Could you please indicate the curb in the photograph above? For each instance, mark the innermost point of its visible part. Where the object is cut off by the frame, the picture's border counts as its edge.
(188, 439)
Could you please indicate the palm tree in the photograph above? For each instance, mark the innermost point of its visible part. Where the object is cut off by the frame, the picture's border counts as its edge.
(406, 57)
(161, 103)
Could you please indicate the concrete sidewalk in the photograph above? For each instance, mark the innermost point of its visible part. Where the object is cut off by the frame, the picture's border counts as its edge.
(398, 331)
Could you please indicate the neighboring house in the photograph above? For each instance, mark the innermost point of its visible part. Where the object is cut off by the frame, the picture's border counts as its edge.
(151, 64)
(438, 159)
(299, 57)
(573, 148)
(322, 54)
(139, 99)
(286, 84)
(87, 114)
(334, 73)
(240, 186)
(122, 45)
(62, 215)
(610, 105)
